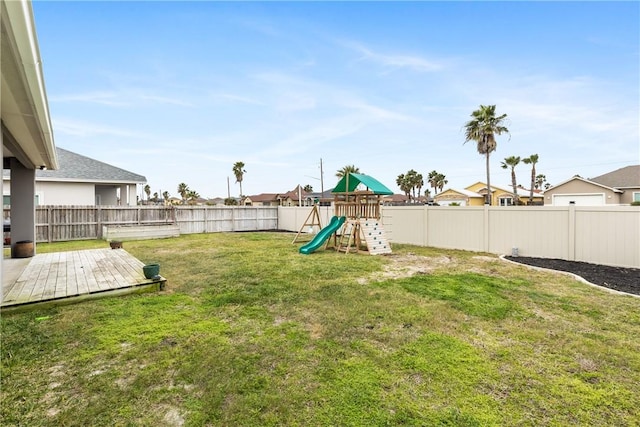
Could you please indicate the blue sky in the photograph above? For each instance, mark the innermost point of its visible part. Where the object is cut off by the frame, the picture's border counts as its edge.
(180, 91)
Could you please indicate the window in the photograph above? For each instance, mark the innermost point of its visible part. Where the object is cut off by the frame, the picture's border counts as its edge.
(6, 200)
(505, 201)
(636, 197)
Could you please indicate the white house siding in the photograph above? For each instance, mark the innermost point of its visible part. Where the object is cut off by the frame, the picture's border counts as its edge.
(67, 193)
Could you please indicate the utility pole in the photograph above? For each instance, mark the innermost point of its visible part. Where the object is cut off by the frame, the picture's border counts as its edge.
(228, 189)
(321, 178)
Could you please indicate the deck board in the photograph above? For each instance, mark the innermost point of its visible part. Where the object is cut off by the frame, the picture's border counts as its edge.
(64, 275)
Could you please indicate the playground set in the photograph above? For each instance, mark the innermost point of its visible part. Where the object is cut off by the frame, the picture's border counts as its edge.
(356, 218)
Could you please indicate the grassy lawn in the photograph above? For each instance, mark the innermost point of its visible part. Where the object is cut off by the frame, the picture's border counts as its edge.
(250, 333)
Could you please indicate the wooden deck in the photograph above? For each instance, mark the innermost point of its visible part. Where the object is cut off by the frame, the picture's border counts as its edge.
(63, 277)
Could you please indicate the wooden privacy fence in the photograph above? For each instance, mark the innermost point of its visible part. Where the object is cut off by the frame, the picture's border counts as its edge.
(62, 223)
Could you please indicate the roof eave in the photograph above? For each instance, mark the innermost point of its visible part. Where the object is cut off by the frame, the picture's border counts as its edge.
(25, 109)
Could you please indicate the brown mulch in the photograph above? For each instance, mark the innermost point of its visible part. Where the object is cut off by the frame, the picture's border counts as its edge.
(618, 278)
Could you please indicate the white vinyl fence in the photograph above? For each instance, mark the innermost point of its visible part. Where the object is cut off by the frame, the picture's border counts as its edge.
(608, 235)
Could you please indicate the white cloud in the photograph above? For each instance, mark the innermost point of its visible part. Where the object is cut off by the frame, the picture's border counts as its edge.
(84, 129)
(395, 61)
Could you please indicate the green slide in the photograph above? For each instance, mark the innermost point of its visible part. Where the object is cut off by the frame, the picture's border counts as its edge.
(323, 235)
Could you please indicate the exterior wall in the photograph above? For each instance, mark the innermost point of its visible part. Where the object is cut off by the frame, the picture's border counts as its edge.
(578, 187)
(81, 193)
(105, 195)
(65, 193)
(450, 196)
(630, 195)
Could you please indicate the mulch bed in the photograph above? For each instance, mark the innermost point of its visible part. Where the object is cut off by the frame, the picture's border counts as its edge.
(617, 278)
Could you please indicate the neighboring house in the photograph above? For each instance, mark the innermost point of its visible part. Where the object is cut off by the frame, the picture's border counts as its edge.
(27, 134)
(83, 181)
(322, 198)
(295, 197)
(395, 200)
(619, 187)
(263, 199)
(474, 195)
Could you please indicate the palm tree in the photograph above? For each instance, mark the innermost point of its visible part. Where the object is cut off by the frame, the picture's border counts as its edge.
(307, 188)
(440, 181)
(532, 160)
(482, 128)
(540, 180)
(432, 179)
(347, 169)
(192, 196)
(404, 185)
(183, 190)
(512, 162)
(419, 183)
(147, 191)
(165, 196)
(239, 171)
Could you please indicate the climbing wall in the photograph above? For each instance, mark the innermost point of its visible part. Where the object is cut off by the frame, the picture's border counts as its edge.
(373, 233)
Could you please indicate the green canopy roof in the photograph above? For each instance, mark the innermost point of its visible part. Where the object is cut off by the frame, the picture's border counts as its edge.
(355, 179)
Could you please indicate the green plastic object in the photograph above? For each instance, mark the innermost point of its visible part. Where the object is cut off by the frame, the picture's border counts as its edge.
(334, 225)
(355, 179)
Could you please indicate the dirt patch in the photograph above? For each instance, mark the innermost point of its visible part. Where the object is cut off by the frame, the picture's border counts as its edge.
(617, 278)
(401, 266)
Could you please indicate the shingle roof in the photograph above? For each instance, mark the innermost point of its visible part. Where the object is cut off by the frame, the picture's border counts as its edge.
(75, 167)
(628, 176)
(264, 197)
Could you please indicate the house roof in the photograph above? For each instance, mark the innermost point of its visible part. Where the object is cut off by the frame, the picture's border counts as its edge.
(264, 197)
(396, 198)
(464, 192)
(578, 178)
(627, 177)
(356, 179)
(76, 167)
(521, 191)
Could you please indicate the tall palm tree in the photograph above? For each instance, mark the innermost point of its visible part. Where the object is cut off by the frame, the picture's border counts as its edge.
(482, 128)
(239, 171)
(532, 160)
(512, 162)
(183, 190)
(347, 169)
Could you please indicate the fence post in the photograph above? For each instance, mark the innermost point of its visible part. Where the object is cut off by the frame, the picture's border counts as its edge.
(49, 227)
(571, 256)
(486, 228)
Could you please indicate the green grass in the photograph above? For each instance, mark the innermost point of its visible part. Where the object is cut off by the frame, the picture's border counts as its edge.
(250, 333)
